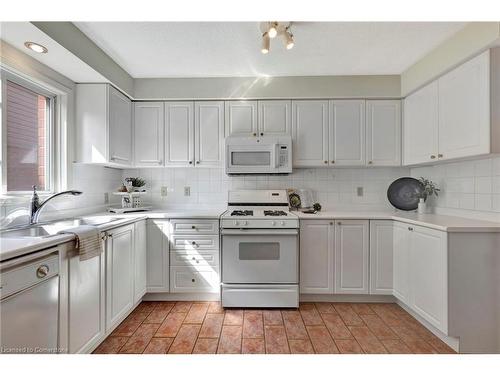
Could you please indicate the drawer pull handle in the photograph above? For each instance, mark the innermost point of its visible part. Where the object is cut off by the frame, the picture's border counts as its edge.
(42, 271)
(193, 243)
(193, 280)
(193, 227)
(194, 258)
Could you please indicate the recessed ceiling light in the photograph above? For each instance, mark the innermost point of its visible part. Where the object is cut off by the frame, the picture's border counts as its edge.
(36, 47)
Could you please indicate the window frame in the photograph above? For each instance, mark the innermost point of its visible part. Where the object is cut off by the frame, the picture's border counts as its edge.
(51, 137)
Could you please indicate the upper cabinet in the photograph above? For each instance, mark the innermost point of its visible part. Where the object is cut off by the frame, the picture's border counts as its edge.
(383, 132)
(149, 125)
(103, 125)
(258, 118)
(209, 134)
(347, 132)
(310, 133)
(450, 118)
(179, 134)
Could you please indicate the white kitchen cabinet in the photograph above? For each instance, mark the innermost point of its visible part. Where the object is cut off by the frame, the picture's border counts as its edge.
(275, 117)
(209, 134)
(464, 109)
(317, 253)
(119, 275)
(347, 132)
(86, 301)
(157, 256)
(179, 134)
(310, 133)
(429, 275)
(241, 118)
(421, 125)
(401, 262)
(140, 260)
(149, 125)
(103, 125)
(383, 132)
(351, 256)
(381, 256)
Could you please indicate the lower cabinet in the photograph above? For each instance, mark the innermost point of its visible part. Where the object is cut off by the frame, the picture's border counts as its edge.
(401, 262)
(140, 260)
(381, 256)
(157, 269)
(351, 256)
(119, 268)
(317, 253)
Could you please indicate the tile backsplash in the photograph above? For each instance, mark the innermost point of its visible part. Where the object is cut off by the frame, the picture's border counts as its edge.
(333, 188)
(469, 188)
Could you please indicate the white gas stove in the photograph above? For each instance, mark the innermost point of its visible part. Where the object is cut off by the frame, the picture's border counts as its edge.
(260, 250)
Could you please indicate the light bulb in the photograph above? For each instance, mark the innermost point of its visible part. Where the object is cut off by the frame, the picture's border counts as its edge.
(273, 30)
(288, 39)
(36, 47)
(265, 43)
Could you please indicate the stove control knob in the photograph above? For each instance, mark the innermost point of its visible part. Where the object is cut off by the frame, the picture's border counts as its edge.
(273, 223)
(282, 223)
(236, 223)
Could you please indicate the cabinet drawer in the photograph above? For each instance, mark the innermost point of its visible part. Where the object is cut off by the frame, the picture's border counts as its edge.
(194, 242)
(191, 279)
(187, 226)
(194, 258)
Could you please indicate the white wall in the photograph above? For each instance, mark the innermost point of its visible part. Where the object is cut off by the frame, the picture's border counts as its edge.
(334, 188)
(469, 188)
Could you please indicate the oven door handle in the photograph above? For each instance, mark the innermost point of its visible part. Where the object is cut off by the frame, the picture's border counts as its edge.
(273, 232)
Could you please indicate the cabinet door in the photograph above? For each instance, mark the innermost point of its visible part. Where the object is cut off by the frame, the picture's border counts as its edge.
(381, 249)
(316, 256)
(86, 302)
(140, 260)
(310, 133)
(275, 117)
(464, 109)
(119, 271)
(429, 275)
(120, 128)
(241, 118)
(401, 264)
(157, 256)
(383, 132)
(351, 257)
(347, 132)
(209, 133)
(420, 126)
(148, 133)
(179, 134)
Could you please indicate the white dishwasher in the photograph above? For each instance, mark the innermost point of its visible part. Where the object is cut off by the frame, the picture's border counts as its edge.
(29, 306)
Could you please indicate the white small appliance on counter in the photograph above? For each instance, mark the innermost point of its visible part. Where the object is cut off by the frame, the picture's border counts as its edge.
(260, 250)
(258, 155)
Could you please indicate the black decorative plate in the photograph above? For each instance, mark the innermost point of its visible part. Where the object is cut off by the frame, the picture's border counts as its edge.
(403, 193)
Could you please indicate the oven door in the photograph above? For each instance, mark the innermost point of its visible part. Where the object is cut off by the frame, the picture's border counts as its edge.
(255, 158)
(260, 256)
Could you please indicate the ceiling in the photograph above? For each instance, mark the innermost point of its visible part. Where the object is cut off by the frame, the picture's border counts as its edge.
(219, 49)
(58, 58)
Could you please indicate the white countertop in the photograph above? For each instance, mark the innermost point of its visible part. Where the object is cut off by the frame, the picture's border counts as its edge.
(14, 247)
(439, 222)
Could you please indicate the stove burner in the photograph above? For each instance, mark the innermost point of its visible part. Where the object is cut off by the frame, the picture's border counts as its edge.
(242, 213)
(274, 213)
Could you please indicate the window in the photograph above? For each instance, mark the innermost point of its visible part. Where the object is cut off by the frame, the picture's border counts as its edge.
(28, 138)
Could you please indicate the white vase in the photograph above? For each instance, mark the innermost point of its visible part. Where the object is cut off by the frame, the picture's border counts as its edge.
(422, 206)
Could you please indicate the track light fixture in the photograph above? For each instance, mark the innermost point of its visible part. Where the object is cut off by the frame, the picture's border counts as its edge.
(271, 30)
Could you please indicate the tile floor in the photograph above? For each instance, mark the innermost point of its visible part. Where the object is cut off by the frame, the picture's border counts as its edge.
(207, 328)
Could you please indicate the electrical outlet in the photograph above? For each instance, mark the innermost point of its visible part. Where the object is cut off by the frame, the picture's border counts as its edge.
(359, 191)
(187, 191)
(164, 191)
(106, 198)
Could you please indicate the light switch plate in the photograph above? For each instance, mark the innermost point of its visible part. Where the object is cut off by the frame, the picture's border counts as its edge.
(164, 191)
(187, 191)
(359, 191)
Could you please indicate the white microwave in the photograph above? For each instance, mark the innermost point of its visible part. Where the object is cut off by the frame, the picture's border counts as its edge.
(264, 155)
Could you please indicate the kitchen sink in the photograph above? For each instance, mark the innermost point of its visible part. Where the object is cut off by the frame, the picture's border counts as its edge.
(52, 228)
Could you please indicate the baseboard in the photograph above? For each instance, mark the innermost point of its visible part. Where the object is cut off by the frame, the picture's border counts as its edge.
(452, 342)
(346, 298)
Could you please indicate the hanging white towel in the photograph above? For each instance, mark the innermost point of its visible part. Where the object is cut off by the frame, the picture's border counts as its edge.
(88, 240)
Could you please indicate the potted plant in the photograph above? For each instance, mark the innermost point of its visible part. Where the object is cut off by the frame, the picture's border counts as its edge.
(430, 188)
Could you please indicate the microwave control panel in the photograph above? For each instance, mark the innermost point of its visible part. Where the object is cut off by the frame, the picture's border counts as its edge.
(283, 155)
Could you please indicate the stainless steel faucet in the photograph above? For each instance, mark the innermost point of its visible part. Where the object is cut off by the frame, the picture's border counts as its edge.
(36, 206)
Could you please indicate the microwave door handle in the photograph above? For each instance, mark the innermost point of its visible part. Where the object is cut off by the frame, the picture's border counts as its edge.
(276, 156)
